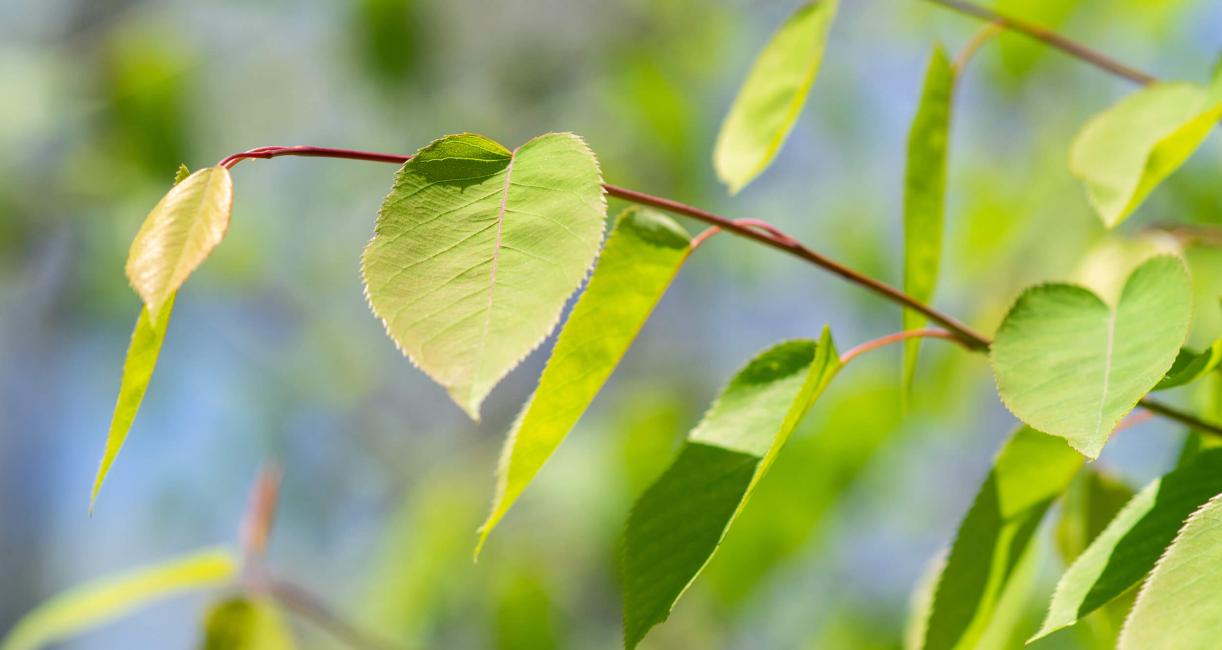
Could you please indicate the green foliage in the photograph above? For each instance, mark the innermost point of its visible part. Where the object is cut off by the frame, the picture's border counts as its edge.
(1190, 365)
(241, 623)
(138, 368)
(925, 195)
(179, 234)
(1071, 365)
(678, 523)
(1126, 151)
(90, 605)
(498, 241)
(1178, 608)
(1130, 545)
(771, 98)
(641, 257)
(1030, 471)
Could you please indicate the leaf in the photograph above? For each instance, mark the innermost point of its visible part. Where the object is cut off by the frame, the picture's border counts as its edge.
(1180, 607)
(677, 524)
(138, 368)
(1190, 366)
(641, 257)
(476, 250)
(1031, 470)
(924, 195)
(1071, 365)
(1123, 153)
(772, 96)
(241, 623)
(90, 605)
(180, 232)
(1130, 545)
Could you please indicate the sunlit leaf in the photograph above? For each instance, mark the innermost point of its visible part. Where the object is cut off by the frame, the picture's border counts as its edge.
(138, 368)
(90, 605)
(1130, 545)
(1071, 365)
(1180, 605)
(179, 234)
(1123, 153)
(1191, 365)
(241, 623)
(772, 96)
(1031, 471)
(476, 250)
(677, 524)
(924, 195)
(641, 256)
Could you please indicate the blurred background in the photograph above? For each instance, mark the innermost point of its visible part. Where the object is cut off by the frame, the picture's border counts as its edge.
(272, 352)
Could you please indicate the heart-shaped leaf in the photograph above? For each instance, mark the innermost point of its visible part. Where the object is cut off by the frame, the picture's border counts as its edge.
(180, 232)
(476, 250)
(1071, 365)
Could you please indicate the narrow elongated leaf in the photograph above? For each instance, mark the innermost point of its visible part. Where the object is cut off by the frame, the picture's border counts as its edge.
(476, 250)
(138, 368)
(107, 599)
(1130, 545)
(924, 195)
(1071, 365)
(1031, 471)
(772, 96)
(241, 623)
(641, 256)
(1191, 365)
(1123, 153)
(179, 233)
(677, 524)
(1180, 605)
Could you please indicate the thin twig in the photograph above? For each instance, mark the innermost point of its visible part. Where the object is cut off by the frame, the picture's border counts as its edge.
(882, 341)
(313, 609)
(982, 36)
(755, 230)
(1049, 37)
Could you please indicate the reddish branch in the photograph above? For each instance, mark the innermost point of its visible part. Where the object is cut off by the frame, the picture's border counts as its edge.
(883, 341)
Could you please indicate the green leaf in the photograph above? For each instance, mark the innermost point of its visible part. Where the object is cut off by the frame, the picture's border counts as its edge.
(90, 605)
(1031, 470)
(1091, 502)
(1071, 365)
(476, 250)
(678, 523)
(138, 368)
(772, 95)
(1131, 544)
(241, 623)
(180, 232)
(640, 259)
(1180, 606)
(924, 195)
(1123, 153)
(1190, 366)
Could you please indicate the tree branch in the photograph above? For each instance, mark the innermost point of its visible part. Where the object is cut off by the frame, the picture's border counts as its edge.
(1049, 37)
(752, 229)
(884, 341)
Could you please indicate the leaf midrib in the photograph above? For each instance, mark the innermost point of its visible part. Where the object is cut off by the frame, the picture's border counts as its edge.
(496, 258)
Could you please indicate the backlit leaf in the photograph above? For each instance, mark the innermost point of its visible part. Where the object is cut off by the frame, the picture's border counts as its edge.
(772, 96)
(1031, 471)
(1123, 153)
(138, 368)
(1191, 365)
(678, 523)
(241, 623)
(641, 256)
(90, 605)
(924, 195)
(1180, 605)
(1130, 545)
(179, 233)
(1071, 365)
(476, 250)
